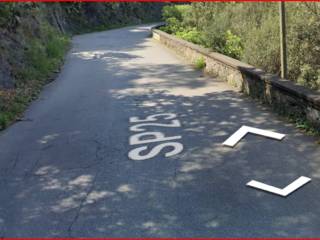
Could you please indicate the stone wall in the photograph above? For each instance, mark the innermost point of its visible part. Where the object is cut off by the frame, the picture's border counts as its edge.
(282, 95)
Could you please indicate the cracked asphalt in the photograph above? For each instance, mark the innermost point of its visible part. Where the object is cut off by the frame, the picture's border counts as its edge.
(65, 171)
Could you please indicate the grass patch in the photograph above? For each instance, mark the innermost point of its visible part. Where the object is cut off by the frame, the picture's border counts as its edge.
(306, 126)
(200, 63)
(43, 57)
(300, 122)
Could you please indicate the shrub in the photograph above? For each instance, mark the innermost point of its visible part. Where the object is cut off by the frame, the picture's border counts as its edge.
(43, 55)
(174, 16)
(233, 45)
(262, 46)
(304, 49)
(250, 32)
(200, 63)
(309, 76)
(191, 35)
(172, 26)
(215, 33)
(171, 11)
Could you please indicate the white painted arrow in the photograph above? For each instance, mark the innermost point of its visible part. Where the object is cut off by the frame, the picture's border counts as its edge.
(238, 135)
(298, 183)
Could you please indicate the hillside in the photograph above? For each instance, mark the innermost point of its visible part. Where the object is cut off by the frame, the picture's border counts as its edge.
(35, 36)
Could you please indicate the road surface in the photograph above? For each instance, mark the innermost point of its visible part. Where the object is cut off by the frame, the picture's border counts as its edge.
(65, 169)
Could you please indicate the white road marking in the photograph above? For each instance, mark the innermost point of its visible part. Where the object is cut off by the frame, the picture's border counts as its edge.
(141, 153)
(239, 134)
(282, 192)
(138, 127)
(157, 137)
(153, 117)
(163, 147)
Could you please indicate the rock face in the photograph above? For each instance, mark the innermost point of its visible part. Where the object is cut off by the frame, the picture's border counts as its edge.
(5, 76)
(16, 29)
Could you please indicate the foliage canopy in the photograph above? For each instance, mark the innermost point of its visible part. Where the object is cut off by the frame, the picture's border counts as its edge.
(250, 32)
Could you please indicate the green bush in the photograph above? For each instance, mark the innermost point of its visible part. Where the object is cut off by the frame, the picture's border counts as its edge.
(250, 32)
(233, 46)
(4, 119)
(200, 63)
(262, 46)
(43, 55)
(174, 16)
(309, 76)
(180, 22)
(173, 25)
(171, 11)
(38, 64)
(304, 48)
(191, 35)
(55, 43)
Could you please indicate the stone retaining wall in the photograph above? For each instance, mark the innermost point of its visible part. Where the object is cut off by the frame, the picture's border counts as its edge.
(283, 95)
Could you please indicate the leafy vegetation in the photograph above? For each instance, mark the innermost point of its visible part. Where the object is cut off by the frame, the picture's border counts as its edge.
(250, 32)
(42, 57)
(86, 17)
(34, 38)
(200, 63)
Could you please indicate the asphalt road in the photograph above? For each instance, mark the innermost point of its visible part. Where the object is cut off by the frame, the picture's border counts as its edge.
(65, 170)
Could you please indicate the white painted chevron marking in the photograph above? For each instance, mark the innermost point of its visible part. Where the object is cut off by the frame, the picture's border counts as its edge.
(241, 132)
(298, 183)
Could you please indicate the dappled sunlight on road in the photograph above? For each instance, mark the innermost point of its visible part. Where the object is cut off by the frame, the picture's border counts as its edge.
(102, 55)
(173, 79)
(140, 29)
(71, 176)
(48, 138)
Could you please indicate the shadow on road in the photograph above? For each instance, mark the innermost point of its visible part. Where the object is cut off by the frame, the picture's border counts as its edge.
(72, 177)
